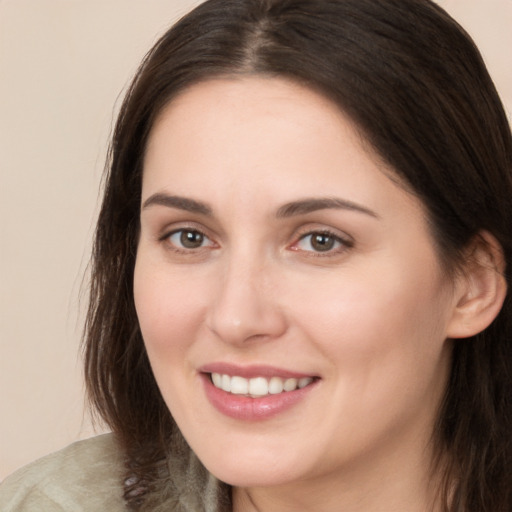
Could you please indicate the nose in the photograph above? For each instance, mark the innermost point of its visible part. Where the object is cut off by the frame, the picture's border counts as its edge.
(245, 307)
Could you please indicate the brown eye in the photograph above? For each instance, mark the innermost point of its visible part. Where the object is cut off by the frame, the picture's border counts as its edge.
(188, 239)
(321, 242)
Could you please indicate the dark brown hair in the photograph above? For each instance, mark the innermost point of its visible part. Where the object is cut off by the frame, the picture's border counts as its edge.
(416, 86)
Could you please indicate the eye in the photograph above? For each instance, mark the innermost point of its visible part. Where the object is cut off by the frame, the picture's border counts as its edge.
(189, 239)
(322, 242)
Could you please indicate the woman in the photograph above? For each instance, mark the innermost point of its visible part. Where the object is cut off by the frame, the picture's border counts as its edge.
(299, 296)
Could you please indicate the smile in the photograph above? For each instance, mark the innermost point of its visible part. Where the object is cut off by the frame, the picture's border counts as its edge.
(258, 386)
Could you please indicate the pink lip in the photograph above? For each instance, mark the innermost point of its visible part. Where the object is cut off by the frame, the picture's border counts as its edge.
(249, 372)
(245, 408)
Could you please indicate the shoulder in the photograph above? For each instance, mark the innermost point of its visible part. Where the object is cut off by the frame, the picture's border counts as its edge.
(84, 477)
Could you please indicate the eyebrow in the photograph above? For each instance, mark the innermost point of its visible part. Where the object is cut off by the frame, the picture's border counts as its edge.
(181, 203)
(294, 208)
(309, 205)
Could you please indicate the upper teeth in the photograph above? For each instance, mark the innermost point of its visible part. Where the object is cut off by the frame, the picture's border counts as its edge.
(258, 386)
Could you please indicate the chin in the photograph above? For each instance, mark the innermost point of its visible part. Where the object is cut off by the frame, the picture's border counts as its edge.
(238, 476)
(241, 469)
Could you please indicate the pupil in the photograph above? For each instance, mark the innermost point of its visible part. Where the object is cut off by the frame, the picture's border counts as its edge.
(191, 239)
(322, 242)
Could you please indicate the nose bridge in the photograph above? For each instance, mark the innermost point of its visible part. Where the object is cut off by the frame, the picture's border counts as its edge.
(245, 306)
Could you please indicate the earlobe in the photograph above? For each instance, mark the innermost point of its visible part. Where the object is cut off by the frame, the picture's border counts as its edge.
(481, 288)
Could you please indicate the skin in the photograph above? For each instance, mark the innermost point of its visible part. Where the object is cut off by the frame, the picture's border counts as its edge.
(369, 317)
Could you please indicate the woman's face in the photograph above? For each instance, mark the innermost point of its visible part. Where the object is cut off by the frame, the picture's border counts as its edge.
(275, 253)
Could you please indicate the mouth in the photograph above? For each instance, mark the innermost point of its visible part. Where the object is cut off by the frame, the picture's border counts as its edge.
(255, 392)
(257, 387)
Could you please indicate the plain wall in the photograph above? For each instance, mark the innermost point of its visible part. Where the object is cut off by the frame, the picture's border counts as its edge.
(63, 65)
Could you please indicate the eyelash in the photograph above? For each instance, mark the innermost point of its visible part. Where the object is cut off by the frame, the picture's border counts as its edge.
(339, 243)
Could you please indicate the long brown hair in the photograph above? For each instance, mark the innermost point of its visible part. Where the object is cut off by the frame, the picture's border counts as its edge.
(416, 86)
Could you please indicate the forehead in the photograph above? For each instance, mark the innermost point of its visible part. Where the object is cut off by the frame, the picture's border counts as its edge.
(243, 100)
(217, 113)
(260, 136)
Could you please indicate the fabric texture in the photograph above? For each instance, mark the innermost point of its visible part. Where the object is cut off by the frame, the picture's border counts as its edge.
(87, 476)
(84, 477)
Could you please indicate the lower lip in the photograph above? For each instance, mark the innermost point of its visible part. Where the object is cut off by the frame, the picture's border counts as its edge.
(246, 408)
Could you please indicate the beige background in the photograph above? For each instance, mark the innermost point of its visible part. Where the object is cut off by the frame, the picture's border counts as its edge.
(63, 64)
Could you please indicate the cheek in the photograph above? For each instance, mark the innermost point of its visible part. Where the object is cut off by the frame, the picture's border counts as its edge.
(169, 312)
(168, 309)
(375, 322)
(386, 345)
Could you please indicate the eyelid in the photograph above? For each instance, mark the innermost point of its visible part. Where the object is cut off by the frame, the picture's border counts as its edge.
(179, 225)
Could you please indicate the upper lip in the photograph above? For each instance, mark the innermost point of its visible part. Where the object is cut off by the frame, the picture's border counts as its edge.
(251, 371)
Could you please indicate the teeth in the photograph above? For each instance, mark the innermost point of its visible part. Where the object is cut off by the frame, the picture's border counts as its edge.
(275, 385)
(239, 386)
(304, 382)
(258, 386)
(226, 383)
(290, 384)
(217, 380)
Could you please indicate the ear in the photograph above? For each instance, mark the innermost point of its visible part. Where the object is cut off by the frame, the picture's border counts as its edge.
(480, 288)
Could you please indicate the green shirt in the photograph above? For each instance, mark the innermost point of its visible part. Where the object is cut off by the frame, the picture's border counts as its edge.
(88, 476)
(84, 477)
